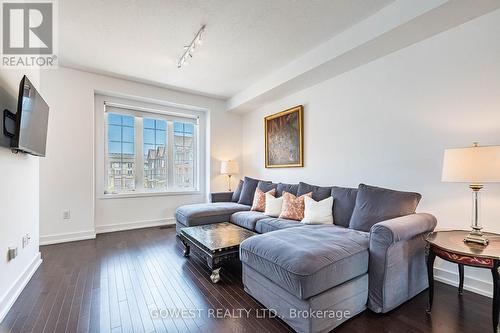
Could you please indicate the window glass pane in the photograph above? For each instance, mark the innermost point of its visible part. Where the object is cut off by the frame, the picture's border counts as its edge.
(128, 148)
(114, 119)
(147, 148)
(160, 137)
(162, 125)
(149, 136)
(114, 147)
(121, 153)
(128, 121)
(178, 127)
(149, 123)
(155, 159)
(128, 134)
(115, 133)
(189, 128)
(183, 155)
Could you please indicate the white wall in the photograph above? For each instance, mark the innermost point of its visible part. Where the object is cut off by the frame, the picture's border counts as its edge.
(67, 173)
(18, 203)
(388, 122)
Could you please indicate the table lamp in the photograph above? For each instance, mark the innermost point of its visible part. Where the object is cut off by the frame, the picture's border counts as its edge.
(474, 165)
(229, 168)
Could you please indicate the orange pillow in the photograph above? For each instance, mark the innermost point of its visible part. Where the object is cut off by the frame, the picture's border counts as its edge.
(259, 199)
(293, 206)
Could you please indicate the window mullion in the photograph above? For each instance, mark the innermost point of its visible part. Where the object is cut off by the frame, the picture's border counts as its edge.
(106, 156)
(170, 155)
(139, 154)
(196, 153)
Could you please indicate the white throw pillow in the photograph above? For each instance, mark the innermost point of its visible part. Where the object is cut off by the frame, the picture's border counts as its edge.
(318, 212)
(273, 205)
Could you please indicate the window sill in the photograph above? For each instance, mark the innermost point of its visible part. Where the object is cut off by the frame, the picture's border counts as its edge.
(146, 194)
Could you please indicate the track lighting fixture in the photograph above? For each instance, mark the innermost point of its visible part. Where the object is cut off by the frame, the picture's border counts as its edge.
(189, 49)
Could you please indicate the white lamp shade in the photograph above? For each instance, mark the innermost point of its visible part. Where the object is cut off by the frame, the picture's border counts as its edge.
(229, 168)
(474, 165)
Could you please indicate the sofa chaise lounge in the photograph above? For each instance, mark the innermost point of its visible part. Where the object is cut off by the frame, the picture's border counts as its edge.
(317, 276)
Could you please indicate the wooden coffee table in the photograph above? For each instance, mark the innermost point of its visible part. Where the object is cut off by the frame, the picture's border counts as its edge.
(216, 243)
(449, 245)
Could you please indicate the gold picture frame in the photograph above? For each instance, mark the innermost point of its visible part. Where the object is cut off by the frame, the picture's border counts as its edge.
(284, 138)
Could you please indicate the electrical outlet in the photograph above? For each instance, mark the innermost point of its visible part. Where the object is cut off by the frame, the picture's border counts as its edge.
(12, 254)
(67, 215)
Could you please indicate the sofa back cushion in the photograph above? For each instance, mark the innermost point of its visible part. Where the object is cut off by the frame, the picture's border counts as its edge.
(237, 192)
(248, 191)
(318, 193)
(290, 188)
(375, 204)
(344, 200)
(266, 186)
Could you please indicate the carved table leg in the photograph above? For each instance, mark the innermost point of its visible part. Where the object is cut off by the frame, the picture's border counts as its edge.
(461, 275)
(215, 266)
(187, 249)
(215, 277)
(431, 256)
(496, 295)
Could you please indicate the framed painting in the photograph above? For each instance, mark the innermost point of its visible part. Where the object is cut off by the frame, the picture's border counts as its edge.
(284, 138)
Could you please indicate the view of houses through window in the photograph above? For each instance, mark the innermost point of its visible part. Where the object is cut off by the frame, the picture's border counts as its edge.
(155, 157)
(160, 138)
(121, 153)
(183, 155)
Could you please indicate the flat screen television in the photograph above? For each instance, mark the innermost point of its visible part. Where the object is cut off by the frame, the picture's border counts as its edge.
(31, 121)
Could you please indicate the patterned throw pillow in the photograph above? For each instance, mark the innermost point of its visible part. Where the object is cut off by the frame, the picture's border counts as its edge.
(293, 206)
(259, 199)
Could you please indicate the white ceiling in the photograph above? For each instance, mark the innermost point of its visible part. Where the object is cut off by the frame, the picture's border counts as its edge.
(244, 41)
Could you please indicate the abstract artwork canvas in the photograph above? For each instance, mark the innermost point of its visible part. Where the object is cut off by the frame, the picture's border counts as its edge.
(284, 138)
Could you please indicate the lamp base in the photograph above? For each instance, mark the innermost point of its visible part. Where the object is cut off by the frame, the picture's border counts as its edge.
(476, 236)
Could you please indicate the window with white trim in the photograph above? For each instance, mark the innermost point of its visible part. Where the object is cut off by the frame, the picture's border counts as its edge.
(149, 152)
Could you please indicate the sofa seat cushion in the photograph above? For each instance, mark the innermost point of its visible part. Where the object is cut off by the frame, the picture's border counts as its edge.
(308, 260)
(205, 213)
(247, 219)
(272, 224)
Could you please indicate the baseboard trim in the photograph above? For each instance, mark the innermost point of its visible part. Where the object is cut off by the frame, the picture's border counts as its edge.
(472, 284)
(13, 293)
(101, 229)
(67, 237)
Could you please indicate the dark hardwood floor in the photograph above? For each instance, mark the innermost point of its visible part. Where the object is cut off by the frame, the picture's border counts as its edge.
(114, 284)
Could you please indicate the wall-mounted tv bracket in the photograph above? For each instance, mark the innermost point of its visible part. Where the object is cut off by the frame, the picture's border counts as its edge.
(8, 115)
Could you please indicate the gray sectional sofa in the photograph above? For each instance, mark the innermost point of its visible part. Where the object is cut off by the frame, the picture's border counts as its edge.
(317, 276)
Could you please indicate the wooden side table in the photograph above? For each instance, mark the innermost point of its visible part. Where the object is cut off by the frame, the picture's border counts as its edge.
(449, 245)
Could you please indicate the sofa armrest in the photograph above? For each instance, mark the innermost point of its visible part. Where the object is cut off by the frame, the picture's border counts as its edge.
(221, 197)
(402, 228)
(397, 269)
